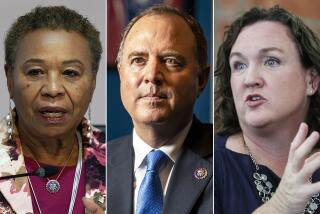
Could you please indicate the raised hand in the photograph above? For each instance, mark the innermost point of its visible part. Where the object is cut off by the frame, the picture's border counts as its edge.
(295, 188)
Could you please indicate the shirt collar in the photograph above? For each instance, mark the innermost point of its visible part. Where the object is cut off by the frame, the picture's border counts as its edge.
(171, 148)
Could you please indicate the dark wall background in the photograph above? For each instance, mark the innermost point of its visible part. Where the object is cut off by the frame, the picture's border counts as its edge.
(118, 121)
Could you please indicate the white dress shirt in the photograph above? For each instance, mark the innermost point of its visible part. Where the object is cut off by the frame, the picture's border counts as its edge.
(171, 148)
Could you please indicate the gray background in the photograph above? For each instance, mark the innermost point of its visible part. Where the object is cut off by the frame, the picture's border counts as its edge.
(94, 10)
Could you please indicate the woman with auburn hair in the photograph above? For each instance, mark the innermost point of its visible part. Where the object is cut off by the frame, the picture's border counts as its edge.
(267, 115)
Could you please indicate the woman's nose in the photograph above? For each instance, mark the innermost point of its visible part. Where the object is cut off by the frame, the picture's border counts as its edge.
(253, 78)
(52, 86)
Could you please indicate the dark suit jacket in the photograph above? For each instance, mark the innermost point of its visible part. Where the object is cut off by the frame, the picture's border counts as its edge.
(185, 193)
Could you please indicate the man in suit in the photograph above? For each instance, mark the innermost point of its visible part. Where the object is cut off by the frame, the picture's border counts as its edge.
(162, 63)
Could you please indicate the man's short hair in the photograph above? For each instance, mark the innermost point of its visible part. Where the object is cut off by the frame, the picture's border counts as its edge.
(201, 43)
(52, 17)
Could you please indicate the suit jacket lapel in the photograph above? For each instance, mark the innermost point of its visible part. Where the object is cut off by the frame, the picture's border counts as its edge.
(186, 184)
(120, 176)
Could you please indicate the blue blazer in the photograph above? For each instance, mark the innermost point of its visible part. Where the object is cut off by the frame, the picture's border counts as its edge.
(186, 193)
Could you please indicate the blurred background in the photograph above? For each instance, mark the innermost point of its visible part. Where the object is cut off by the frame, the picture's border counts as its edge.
(119, 12)
(226, 11)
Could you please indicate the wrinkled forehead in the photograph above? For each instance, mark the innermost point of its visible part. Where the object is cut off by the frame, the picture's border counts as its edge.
(160, 27)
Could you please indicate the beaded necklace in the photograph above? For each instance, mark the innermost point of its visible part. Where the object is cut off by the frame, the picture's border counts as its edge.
(264, 187)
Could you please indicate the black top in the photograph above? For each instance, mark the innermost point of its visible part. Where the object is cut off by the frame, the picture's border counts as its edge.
(234, 188)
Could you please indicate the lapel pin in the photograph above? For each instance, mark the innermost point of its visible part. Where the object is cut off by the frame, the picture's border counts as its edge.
(200, 173)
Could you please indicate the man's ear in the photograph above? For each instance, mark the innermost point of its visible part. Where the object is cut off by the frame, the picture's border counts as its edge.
(203, 79)
(313, 80)
(9, 75)
(118, 68)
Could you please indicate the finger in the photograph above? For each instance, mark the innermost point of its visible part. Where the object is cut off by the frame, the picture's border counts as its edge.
(300, 136)
(304, 150)
(311, 165)
(92, 206)
(314, 155)
(312, 189)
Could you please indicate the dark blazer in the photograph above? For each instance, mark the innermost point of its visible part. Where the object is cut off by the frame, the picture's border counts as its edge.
(185, 194)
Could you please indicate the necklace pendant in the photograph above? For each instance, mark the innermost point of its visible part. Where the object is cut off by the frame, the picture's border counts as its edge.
(53, 186)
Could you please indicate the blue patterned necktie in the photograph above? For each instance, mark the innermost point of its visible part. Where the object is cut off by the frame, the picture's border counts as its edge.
(150, 196)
